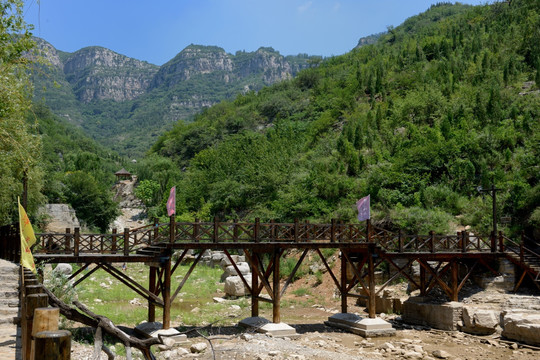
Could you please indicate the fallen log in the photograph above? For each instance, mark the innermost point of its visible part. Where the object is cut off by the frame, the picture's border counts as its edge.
(87, 317)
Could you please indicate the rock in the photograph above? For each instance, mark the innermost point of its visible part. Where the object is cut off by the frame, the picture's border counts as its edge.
(479, 321)
(219, 300)
(135, 301)
(246, 337)
(198, 348)
(235, 287)
(440, 354)
(59, 217)
(386, 346)
(412, 355)
(274, 352)
(63, 269)
(181, 351)
(242, 266)
(235, 307)
(522, 327)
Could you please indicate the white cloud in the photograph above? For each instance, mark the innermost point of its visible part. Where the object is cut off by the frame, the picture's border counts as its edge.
(303, 8)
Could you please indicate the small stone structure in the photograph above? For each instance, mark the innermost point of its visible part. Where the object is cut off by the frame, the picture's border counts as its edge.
(439, 316)
(58, 217)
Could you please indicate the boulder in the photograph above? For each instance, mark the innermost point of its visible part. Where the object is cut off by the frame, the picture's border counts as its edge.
(235, 287)
(521, 326)
(231, 271)
(479, 321)
(63, 269)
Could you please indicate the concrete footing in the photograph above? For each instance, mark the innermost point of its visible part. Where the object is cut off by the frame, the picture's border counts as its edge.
(263, 326)
(365, 327)
(153, 329)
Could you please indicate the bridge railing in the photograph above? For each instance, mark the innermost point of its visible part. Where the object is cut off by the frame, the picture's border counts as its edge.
(130, 240)
(408, 243)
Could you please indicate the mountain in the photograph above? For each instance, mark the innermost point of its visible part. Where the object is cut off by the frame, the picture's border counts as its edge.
(438, 106)
(126, 103)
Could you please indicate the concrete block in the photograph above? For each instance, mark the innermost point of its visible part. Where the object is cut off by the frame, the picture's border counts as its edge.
(439, 316)
(263, 326)
(365, 327)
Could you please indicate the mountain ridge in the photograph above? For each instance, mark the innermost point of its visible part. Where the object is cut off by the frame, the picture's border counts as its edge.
(118, 100)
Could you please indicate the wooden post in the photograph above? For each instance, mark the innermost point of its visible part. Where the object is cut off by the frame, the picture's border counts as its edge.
(196, 231)
(521, 244)
(333, 230)
(45, 319)
(76, 240)
(296, 229)
(454, 281)
(371, 270)
(501, 242)
(276, 317)
(152, 289)
(114, 245)
(463, 241)
(215, 235)
(67, 241)
(254, 285)
(493, 239)
(166, 291)
(256, 229)
(343, 289)
(33, 302)
(172, 232)
(422, 281)
(400, 240)
(53, 345)
(368, 230)
(126, 241)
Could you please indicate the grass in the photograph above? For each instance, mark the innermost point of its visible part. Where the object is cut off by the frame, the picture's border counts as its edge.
(194, 305)
(302, 292)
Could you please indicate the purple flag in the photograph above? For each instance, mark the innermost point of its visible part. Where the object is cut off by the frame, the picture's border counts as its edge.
(171, 203)
(363, 208)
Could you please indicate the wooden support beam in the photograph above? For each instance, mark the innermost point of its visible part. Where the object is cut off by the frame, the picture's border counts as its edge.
(455, 291)
(166, 290)
(343, 287)
(396, 274)
(191, 268)
(254, 283)
(259, 270)
(372, 290)
(291, 276)
(422, 281)
(246, 284)
(276, 316)
(328, 268)
(132, 284)
(152, 288)
(86, 275)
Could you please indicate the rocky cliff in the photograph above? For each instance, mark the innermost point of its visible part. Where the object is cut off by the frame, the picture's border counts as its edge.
(96, 73)
(125, 103)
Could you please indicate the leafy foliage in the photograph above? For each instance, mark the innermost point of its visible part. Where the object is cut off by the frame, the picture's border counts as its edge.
(435, 108)
(19, 149)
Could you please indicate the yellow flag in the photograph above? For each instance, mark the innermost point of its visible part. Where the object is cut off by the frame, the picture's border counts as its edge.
(27, 239)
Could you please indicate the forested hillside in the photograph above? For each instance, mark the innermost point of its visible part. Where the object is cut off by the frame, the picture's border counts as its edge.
(444, 103)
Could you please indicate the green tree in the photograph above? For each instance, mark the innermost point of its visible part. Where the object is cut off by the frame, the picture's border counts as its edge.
(19, 149)
(92, 203)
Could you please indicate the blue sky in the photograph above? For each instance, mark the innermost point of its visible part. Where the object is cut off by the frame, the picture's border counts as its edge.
(155, 31)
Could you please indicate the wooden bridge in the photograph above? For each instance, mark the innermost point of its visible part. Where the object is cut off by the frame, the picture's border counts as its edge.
(446, 261)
